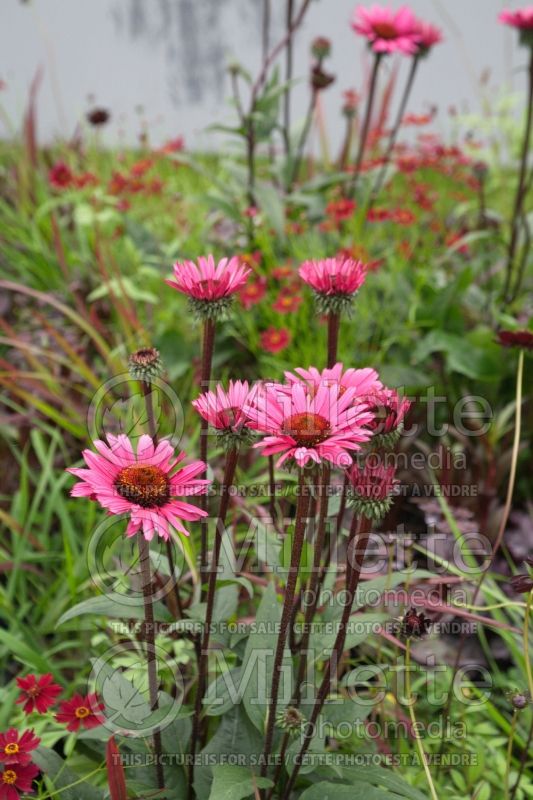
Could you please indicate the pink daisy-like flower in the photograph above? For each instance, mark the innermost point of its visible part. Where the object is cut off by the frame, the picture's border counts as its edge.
(225, 410)
(365, 381)
(522, 18)
(210, 287)
(144, 484)
(370, 487)
(429, 35)
(15, 779)
(309, 425)
(387, 31)
(81, 711)
(38, 693)
(335, 282)
(16, 748)
(389, 410)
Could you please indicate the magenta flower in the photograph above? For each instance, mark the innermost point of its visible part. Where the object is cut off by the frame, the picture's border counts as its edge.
(225, 410)
(522, 18)
(38, 694)
(365, 381)
(309, 425)
(15, 779)
(387, 31)
(429, 35)
(210, 287)
(371, 486)
(16, 748)
(389, 410)
(144, 484)
(335, 282)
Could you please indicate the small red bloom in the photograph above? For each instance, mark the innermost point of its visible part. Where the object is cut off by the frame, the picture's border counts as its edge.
(38, 693)
(140, 168)
(285, 271)
(287, 303)
(341, 209)
(522, 339)
(81, 711)
(173, 145)
(15, 779)
(252, 293)
(15, 748)
(273, 340)
(60, 176)
(85, 179)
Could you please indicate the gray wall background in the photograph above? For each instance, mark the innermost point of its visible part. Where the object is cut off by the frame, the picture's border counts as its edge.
(165, 61)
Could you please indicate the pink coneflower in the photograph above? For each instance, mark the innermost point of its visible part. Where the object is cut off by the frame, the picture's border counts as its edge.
(17, 779)
(370, 488)
(287, 303)
(37, 694)
(81, 711)
(522, 18)
(273, 340)
(16, 748)
(144, 485)
(389, 410)
(252, 293)
(225, 410)
(387, 31)
(60, 176)
(308, 425)
(210, 287)
(364, 381)
(429, 35)
(335, 282)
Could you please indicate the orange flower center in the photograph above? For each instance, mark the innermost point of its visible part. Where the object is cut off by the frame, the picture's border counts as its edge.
(11, 748)
(9, 777)
(33, 691)
(307, 429)
(82, 712)
(146, 486)
(385, 30)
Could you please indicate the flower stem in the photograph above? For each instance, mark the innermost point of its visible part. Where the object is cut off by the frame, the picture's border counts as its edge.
(523, 759)
(520, 191)
(526, 645)
(510, 752)
(410, 702)
(272, 489)
(149, 638)
(225, 493)
(366, 122)
(294, 169)
(288, 600)
(333, 338)
(357, 541)
(396, 129)
(205, 377)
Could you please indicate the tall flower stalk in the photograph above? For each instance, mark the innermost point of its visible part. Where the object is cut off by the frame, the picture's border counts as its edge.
(366, 122)
(411, 704)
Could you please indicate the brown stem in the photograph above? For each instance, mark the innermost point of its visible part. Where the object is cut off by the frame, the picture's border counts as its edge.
(149, 638)
(288, 77)
(520, 192)
(288, 600)
(266, 28)
(225, 493)
(358, 538)
(396, 128)
(205, 377)
(366, 121)
(293, 173)
(333, 338)
(272, 489)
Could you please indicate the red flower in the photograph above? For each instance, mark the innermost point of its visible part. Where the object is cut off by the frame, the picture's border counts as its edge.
(173, 145)
(15, 748)
(285, 271)
(38, 694)
(516, 339)
(81, 711)
(60, 176)
(141, 167)
(16, 778)
(341, 209)
(252, 293)
(85, 179)
(275, 339)
(287, 303)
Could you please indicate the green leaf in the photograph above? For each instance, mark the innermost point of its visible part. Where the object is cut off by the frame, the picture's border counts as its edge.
(112, 605)
(69, 785)
(235, 783)
(339, 791)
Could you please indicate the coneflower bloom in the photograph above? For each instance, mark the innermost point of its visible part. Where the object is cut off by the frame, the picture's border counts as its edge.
(429, 35)
(15, 779)
(209, 286)
(145, 484)
(225, 411)
(16, 748)
(81, 711)
(387, 31)
(522, 18)
(389, 410)
(334, 281)
(38, 694)
(370, 488)
(308, 425)
(365, 381)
